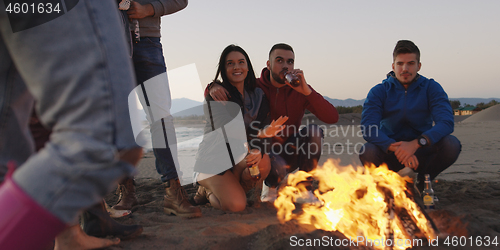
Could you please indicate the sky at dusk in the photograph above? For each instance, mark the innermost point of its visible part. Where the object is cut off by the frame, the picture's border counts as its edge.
(344, 47)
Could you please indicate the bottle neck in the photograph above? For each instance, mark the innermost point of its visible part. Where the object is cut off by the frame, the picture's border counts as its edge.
(428, 185)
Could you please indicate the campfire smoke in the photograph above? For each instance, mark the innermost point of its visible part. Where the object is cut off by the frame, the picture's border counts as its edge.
(368, 202)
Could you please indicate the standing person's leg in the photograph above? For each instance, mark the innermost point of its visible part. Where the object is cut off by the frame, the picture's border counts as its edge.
(151, 74)
(80, 77)
(149, 66)
(96, 220)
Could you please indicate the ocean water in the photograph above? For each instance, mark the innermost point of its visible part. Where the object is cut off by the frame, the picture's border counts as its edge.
(188, 143)
(188, 138)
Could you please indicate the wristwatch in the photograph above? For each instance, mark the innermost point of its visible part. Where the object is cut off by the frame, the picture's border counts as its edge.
(422, 141)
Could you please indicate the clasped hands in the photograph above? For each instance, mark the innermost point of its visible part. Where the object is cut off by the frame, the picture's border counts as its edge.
(405, 153)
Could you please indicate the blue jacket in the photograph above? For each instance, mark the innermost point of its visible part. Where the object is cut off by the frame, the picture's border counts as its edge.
(391, 113)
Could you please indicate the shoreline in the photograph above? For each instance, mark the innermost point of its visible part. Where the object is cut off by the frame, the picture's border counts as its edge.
(478, 159)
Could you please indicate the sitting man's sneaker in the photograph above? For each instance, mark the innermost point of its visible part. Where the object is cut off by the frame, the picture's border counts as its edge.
(308, 197)
(269, 194)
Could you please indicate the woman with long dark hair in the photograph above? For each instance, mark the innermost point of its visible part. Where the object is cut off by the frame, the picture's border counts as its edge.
(223, 171)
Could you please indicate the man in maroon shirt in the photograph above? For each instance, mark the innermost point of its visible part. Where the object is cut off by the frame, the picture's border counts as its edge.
(296, 146)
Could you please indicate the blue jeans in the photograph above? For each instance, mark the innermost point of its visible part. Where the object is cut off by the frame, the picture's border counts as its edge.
(432, 160)
(301, 150)
(148, 63)
(77, 69)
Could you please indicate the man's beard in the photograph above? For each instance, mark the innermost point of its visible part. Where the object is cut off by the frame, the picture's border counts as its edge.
(277, 78)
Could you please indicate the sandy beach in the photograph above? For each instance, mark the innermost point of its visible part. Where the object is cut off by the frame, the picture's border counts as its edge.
(468, 192)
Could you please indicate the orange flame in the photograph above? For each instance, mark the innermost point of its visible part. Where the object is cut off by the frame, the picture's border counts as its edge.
(353, 202)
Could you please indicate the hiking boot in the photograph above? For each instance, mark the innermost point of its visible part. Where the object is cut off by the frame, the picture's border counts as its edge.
(176, 202)
(127, 197)
(97, 222)
(201, 196)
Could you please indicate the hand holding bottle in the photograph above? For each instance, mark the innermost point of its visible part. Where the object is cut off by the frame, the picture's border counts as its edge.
(253, 159)
(295, 78)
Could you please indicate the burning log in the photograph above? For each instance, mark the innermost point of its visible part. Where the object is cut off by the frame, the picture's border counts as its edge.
(373, 203)
(405, 218)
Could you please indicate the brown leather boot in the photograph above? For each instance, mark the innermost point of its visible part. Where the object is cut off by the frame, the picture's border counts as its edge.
(176, 202)
(127, 197)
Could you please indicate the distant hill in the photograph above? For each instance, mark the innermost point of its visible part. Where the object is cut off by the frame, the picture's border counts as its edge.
(474, 101)
(352, 102)
(346, 103)
(186, 107)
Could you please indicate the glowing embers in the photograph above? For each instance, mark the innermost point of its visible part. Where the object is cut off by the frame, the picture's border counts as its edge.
(368, 202)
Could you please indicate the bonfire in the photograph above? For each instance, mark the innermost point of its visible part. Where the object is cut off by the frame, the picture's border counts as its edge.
(369, 204)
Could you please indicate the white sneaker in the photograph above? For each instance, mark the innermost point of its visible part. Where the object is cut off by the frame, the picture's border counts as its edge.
(268, 194)
(113, 213)
(406, 171)
(308, 197)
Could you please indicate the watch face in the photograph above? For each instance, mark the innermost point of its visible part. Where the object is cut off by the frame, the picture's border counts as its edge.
(423, 141)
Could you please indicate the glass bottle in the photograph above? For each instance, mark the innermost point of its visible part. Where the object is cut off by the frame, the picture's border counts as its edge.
(292, 79)
(428, 194)
(254, 172)
(253, 169)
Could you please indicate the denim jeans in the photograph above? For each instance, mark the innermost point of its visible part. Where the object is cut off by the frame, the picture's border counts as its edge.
(432, 160)
(77, 69)
(149, 63)
(301, 150)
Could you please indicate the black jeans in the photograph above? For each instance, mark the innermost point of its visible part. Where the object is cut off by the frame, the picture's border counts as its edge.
(433, 159)
(302, 150)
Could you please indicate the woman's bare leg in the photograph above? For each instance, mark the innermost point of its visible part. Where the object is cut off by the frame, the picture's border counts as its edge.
(228, 194)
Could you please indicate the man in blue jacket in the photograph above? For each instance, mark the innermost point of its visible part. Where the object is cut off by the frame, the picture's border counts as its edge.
(398, 117)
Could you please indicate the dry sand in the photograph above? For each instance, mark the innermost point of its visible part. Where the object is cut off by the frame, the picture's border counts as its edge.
(469, 198)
